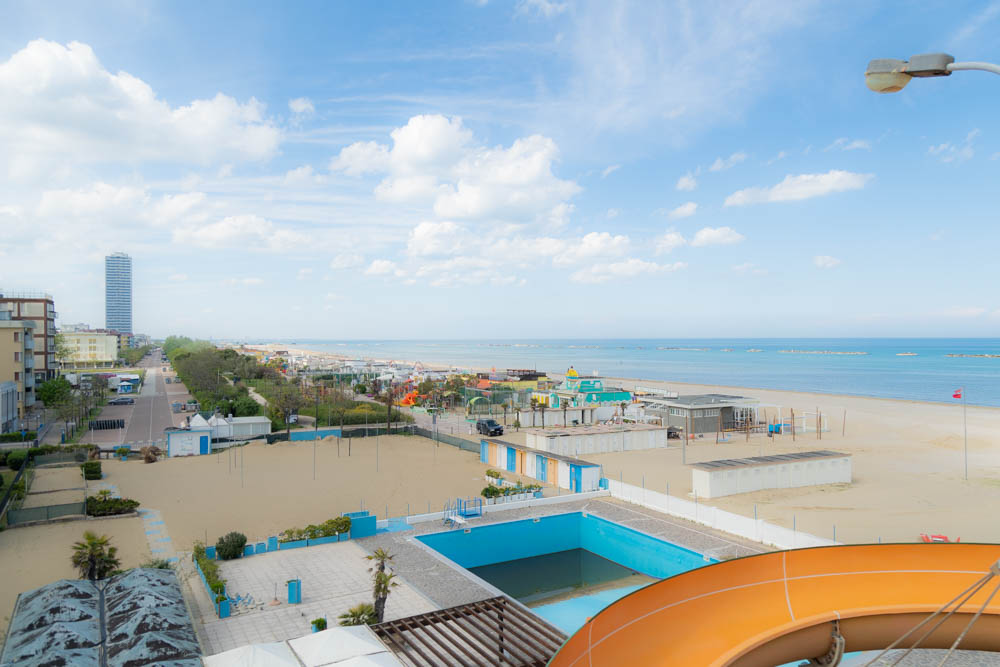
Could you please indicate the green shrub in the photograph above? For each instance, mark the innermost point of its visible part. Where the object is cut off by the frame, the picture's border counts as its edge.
(110, 506)
(491, 492)
(16, 436)
(157, 564)
(16, 459)
(209, 568)
(319, 624)
(495, 474)
(329, 528)
(230, 546)
(91, 470)
(359, 614)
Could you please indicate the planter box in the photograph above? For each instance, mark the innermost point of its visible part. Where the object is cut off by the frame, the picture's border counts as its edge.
(210, 553)
(260, 548)
(282, 546)
(344, 537)
(272, 543)
(248, 550)
(323, 540)
(223, 609)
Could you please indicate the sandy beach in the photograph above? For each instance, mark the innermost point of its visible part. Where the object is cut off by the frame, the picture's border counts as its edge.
(38, 555)
(202, 497)
(908, 463)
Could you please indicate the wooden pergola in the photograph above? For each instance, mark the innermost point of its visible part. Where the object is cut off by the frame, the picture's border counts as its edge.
(496, 631)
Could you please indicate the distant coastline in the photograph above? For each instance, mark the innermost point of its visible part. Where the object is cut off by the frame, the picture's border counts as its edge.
(923, 370)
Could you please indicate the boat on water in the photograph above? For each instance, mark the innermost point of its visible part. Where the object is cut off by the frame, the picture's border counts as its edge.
(906, 354)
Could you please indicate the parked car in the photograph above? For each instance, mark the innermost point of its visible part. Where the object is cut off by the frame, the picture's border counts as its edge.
(489, 427)
(122, 400)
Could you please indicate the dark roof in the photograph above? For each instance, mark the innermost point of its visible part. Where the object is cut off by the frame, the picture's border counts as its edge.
(472, 634)
(695, 400)
(797, 457)
(135, 618)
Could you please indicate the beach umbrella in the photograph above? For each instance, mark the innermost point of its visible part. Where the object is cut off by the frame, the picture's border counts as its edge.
(275, 654)
(336, 645)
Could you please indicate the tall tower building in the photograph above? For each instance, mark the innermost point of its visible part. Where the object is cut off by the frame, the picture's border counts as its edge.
(118, 292)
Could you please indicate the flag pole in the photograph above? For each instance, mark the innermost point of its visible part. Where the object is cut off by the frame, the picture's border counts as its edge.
(965, 434)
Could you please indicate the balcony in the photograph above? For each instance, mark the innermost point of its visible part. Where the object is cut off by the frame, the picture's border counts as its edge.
(29, 361)
(29, 342)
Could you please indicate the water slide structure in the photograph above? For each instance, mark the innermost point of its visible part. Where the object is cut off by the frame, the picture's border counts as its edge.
(804, 604)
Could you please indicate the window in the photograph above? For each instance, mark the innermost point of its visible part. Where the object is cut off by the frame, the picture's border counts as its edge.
(678, 412)
(17, 335)
(17, 376)
(713, 412)
(17, 356)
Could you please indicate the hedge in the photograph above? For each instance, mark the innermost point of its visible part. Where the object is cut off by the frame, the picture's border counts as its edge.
(91, 470)
(339, 525)
(110, 506)
(16, 459)
(16, 436)
(210, 569)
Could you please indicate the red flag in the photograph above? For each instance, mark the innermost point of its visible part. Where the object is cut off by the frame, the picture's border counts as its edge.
(957, 394)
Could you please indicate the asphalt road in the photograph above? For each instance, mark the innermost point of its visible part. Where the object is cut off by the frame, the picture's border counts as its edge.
(150, 415)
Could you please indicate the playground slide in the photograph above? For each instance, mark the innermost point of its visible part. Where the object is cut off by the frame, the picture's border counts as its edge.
(783, 606)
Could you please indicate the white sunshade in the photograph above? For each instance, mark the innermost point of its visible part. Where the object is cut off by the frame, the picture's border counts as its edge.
(276, 654)
(374, 660)
(336, 645)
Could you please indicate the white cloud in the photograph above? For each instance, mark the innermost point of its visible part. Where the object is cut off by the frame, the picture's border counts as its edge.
(363, 157)
(381, 267)
(243, 231)
(177, 277)
(245, 282)
(722, 164)
(610, 170)
(59, 104)
(630, 268)
(670, 241)
(546, 8)
(749, 267)
(592, 246)
(436, 238)
(962, 312)
(948, 152)
(435, 160)
(683, 211)
(716, 236)
(301, 105)
(670, 66)
(780, 156)
(346, 260)
(612, 213)
(687, 182)
(845, 144)
(304, 274)
(303, 175)
(825, 262)
(803, 186)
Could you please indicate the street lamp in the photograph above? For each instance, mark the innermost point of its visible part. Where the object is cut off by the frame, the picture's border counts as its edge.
(888, 75)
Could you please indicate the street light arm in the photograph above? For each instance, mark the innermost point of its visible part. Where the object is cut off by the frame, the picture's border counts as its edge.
(972, 65)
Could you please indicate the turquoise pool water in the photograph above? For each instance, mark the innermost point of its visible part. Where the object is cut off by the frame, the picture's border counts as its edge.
(524, 558)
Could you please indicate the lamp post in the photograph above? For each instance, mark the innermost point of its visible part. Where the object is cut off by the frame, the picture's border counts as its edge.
(889, 75)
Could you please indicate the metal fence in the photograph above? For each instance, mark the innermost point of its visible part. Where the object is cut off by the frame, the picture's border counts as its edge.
(46, 513)
(461, 443)
(79, 456)
(6, 500)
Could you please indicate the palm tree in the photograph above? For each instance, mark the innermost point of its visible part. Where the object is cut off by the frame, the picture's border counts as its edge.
(383, 581)
(94, 557)
(359, 614)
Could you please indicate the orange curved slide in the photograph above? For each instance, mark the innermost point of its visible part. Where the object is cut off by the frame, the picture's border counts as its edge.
(783, 606)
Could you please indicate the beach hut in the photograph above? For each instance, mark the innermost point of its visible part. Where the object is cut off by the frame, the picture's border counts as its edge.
(565, 472)
(189, 442)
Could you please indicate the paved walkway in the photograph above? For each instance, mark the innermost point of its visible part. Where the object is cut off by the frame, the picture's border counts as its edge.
(160, 544)
(334, 578)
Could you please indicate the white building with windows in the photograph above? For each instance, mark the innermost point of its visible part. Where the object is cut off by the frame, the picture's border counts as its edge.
(90, 349)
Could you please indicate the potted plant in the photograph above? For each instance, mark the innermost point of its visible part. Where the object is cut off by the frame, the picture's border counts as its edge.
(123, 453)
(319, 624)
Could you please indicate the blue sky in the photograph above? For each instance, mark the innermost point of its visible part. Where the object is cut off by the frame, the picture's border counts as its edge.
(503, 169)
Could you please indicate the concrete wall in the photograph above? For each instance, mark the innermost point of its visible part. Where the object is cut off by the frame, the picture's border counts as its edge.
(727, 482)
(554, 417)
(597, 443)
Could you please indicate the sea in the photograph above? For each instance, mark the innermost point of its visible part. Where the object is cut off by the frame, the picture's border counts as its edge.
(921, 369)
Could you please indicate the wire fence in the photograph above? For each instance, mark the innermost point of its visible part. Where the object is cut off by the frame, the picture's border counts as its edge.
(7, 496)
(437, 436)
(46, 513)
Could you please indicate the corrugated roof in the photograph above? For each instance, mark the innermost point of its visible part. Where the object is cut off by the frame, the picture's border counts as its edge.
(796, 457)
(133, 619)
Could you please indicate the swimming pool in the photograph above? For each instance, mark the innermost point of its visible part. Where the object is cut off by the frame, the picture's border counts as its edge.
(574, 558)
